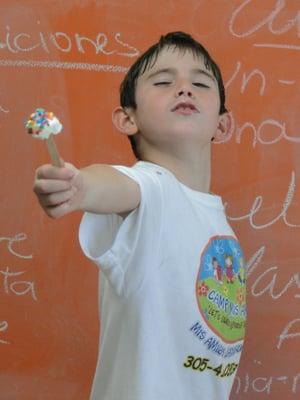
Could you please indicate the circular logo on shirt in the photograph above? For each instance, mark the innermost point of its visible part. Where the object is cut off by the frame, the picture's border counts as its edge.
(220, 288)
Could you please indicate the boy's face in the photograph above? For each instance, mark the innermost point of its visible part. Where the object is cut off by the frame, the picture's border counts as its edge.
(177, 100)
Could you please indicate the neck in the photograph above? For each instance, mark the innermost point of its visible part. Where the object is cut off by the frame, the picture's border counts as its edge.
(192, 167)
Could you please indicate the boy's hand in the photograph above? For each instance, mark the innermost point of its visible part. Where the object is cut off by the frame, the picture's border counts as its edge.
(59, 190)
(99, 189)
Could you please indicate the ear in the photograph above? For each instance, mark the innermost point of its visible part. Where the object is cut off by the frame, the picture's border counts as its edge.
(225, 128)
(123, 119)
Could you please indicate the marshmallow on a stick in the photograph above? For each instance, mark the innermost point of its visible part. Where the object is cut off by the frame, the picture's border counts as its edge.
(43, 125)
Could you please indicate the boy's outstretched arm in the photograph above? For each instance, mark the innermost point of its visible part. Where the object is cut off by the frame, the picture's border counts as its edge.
(98, 188)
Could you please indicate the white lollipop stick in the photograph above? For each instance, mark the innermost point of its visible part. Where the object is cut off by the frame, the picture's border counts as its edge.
(53, 152)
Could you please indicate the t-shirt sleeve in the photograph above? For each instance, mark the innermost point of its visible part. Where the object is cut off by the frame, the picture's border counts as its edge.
(126, 250)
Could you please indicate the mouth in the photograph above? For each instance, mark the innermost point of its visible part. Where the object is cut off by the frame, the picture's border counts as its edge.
(185, 108)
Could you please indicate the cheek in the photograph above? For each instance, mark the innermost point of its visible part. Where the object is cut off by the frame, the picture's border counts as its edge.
(213, 111)
(144, 115)
(213, 101)
(149, 107)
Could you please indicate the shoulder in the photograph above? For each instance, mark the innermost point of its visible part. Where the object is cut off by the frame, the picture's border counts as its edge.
(144, 174)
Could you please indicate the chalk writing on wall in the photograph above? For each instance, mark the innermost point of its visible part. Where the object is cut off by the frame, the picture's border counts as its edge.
(247, 383)
(10, 282)
(261, 131)
(26, 43)
(269, 21)
(267, 280)
(264, 95)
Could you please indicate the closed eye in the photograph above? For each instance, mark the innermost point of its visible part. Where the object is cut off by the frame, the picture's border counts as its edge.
(200, 84)
(162, 83)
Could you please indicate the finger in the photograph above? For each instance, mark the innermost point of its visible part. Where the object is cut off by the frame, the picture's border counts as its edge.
(48, 171)
(59, 210)
(56, 199)
(47, 186)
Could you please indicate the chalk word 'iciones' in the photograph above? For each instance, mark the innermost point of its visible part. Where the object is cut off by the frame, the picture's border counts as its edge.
(268, 20)
(11, 241)
(257, 205)
(65, 43)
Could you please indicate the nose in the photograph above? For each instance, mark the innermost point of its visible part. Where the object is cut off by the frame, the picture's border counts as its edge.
(184, 91)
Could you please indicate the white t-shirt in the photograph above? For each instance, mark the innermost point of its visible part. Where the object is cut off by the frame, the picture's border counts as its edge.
(172, 294)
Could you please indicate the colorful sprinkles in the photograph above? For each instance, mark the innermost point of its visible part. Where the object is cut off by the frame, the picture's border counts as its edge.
(38, 121)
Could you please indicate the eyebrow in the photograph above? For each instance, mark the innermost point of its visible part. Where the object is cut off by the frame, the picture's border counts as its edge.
(173, 71)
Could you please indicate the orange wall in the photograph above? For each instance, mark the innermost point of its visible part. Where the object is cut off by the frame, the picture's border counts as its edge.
(69, 57)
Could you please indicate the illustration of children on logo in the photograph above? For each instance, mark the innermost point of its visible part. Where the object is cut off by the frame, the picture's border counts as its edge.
(229, 268)
(218, 272)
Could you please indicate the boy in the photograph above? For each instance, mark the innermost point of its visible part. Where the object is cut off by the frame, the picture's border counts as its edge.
(168, 330)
